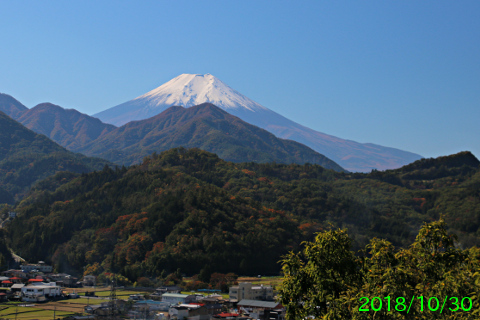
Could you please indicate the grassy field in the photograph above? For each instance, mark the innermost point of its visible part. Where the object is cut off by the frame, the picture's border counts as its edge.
(104, 292)
(271, 281)
(62, 308)
(84, 301)
(12, 312)
(120, 293)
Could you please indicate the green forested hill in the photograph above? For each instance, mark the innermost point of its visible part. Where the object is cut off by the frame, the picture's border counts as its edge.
(27, 157)
(188, 209)
(206, 127)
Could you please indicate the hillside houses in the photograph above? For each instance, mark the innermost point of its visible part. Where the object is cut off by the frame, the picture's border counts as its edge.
(246, 290)
(37, 267)
(35, 282)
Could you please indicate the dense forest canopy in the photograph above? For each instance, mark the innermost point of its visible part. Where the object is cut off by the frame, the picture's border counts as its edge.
(188, 209)
(27, 157)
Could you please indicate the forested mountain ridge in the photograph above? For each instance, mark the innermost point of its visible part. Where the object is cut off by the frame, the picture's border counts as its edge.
(67, 127)
(188, 209)
(204, 126)
(11, 107)
(27, 157)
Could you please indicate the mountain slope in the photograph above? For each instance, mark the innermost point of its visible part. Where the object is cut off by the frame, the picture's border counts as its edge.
(27, 157)
(11, 107)
(188, 90)
(206, 127)
(67, 127)
(189, 209)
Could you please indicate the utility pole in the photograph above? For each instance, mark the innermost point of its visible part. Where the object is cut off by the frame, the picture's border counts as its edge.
(113, 298)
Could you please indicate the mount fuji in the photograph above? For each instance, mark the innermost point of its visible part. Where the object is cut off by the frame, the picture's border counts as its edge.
(188, 90)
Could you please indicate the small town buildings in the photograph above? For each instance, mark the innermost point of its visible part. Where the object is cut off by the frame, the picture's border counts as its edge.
(169, 289)
(229, 316)
(213, 304)
(177, 298)
(151, 305)
(17, 280)
(246, 290)
(12, 273)
(157, 295)
(259, 305)
(89, 281)
(264, 310)
(36, 267)
(136, 297)
(190, 311)
(63, 279)
(92, 308)
(17, 287)
(105, 308)
(40, 292)
(35, 281)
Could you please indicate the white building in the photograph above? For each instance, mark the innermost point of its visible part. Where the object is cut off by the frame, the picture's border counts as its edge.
(246, 290)
(40, 292)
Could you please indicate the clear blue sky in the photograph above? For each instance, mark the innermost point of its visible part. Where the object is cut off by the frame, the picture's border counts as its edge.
(404, 74)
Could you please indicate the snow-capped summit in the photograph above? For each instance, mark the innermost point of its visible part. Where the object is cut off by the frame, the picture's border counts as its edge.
(186, 90)
(189, 90)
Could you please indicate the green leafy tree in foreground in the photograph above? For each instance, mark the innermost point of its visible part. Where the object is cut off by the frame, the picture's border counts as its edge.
(327, 281)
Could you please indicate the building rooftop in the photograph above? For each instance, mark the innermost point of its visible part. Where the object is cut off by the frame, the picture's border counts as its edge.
(258, 304)
(175, 295)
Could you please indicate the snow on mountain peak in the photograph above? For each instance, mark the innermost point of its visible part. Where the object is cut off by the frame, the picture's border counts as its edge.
(188, 90)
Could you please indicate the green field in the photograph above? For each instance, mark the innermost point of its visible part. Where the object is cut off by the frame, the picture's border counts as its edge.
(119, 293)
(31, 313)
(84, 301)
(268, 281)
(44, 311)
